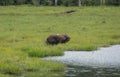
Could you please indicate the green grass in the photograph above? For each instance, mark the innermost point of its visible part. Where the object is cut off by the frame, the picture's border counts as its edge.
(17, 63)
(24, 29)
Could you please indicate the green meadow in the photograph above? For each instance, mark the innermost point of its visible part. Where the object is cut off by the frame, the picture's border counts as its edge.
(24, 29)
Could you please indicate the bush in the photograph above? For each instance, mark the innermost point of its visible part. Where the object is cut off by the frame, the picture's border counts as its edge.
(6, 2)
(18, 2)
(36, 2)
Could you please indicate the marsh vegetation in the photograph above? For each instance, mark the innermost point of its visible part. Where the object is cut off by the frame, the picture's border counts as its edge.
(24, 29)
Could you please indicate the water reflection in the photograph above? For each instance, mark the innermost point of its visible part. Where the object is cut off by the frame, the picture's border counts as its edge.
(84, 71)
(105, 62)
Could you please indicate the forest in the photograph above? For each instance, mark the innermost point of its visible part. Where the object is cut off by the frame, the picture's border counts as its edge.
(61, 2)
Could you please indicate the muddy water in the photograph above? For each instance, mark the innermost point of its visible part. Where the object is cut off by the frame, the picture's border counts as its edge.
(104, 62)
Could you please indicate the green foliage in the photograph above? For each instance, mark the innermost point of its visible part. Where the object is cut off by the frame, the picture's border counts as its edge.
(36, 2)
(113, 2)
(60, 2)
(6, 2)
(67, 2)
(18, 2)
(90, 2)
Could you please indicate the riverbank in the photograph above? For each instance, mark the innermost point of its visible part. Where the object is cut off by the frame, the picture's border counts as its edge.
(104, 57)
(104, 62)
(23, 30)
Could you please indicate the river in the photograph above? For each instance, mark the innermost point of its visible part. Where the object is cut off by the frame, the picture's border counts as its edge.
(104, 62)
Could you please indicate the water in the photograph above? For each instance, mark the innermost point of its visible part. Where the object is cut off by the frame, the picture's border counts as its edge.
(85, 71)
(104, 62)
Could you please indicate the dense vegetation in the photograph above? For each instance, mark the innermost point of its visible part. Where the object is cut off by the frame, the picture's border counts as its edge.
(23, 31)
(61, 2)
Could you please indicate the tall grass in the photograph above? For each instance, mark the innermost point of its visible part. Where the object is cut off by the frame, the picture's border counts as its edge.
(24, 29)
(17, 63)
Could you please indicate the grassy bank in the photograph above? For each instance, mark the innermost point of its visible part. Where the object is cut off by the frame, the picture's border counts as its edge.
(23, 30)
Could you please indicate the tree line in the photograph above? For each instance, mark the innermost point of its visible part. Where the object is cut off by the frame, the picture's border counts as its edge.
(61, 2)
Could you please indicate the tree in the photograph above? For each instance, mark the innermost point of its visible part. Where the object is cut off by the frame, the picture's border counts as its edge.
(102, 2)
(56, 2)
(20, 1)
(79, 2)
(36, 2)
(67, 2)
(49, 2)
(6, 2)
(115, 2)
